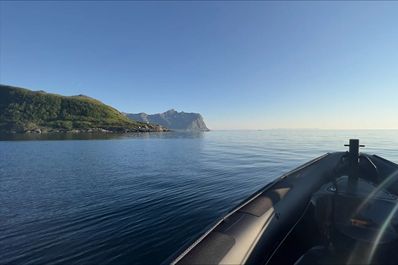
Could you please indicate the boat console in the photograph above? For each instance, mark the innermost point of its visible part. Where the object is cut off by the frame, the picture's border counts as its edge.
(357, 219)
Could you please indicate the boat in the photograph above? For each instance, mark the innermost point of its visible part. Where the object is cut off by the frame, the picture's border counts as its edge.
(340, 208)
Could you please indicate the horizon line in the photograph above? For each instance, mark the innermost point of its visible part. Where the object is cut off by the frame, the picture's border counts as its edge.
(311, 129)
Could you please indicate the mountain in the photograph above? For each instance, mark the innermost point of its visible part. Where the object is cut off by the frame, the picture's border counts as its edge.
(24, 111)
(180, 121)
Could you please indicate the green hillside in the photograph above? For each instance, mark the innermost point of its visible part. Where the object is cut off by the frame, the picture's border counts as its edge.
(23, 110)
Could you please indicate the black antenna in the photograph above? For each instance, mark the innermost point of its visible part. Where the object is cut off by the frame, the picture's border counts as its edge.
(353, 154)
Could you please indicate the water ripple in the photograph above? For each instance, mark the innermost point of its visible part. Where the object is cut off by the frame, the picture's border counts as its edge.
(136, 200)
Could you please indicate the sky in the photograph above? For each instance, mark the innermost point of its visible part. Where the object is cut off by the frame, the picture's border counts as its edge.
(242, 65)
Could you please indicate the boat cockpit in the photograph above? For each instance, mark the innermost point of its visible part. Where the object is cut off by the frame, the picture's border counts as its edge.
(340, 208)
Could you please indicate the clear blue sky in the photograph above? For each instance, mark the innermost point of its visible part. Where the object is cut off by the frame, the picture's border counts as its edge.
(243, 65)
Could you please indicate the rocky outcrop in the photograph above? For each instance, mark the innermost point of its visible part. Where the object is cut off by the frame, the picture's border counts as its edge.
(172, 119)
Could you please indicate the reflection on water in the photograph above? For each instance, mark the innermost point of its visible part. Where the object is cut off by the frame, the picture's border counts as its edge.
(137, 198)
(97, 136)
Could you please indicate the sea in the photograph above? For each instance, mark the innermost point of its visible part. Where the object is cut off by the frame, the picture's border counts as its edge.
(138, 198)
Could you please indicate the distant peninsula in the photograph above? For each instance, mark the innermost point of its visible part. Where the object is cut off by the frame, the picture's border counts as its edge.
(177, 121)
(27, 111)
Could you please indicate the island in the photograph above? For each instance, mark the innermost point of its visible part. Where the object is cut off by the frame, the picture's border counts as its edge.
(172, 119)
(26, 111)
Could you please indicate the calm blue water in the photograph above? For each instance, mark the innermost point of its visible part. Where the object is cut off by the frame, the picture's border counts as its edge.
(136, 199)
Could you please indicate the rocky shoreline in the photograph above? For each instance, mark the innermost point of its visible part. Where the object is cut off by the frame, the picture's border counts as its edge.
(143, 129)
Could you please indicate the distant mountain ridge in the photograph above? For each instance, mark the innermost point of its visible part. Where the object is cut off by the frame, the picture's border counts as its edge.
(26, 111)
(172, 119)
